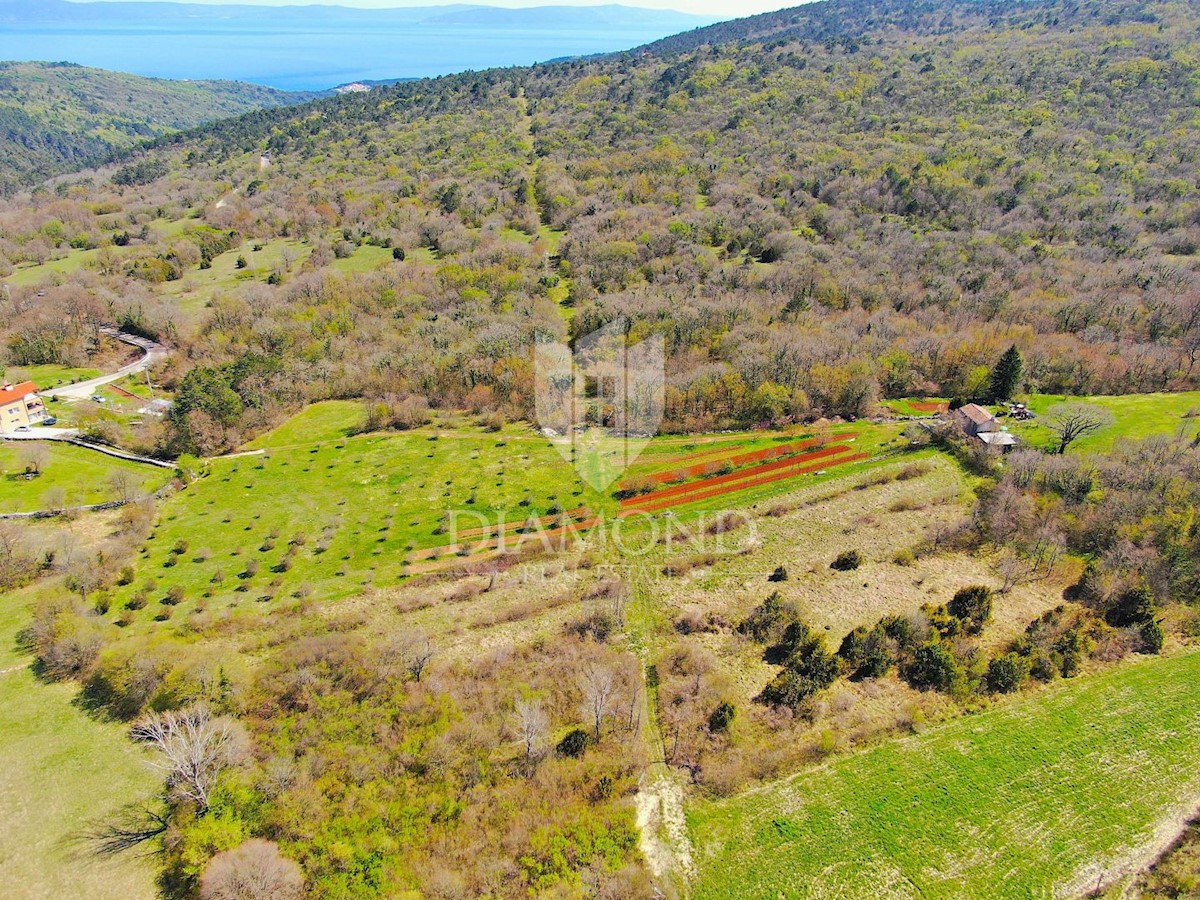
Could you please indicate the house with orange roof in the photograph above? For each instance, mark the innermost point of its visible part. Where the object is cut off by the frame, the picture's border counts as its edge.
(20, 406)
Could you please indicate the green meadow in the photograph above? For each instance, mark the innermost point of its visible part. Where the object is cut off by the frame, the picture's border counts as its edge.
(49, 376)
(1013, 802)
(325, 512)
(64, 772)
(1135, 416)
(84, 476)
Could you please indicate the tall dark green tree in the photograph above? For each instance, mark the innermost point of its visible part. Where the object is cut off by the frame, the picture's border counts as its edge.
(1006, 377)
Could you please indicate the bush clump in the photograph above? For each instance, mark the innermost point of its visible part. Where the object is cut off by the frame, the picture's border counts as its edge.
(847, 561)
(573, 743)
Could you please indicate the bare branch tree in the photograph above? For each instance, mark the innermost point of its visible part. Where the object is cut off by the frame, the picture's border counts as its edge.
(408, 654)
(34, 456)
(598, 683)
(533, 725)
(84, 575)
(123, 485)
(254, 871)
(194, 747)
(1072, 421)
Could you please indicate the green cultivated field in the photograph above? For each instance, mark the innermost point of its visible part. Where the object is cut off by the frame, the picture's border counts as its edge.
(1012, 802)
(343, 511)
(83, 475)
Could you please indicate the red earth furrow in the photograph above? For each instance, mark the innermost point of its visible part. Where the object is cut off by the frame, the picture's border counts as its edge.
(741, 459)
(792, 461)
(704, 492)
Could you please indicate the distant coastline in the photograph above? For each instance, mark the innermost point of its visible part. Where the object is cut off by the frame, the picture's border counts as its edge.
(305, 49)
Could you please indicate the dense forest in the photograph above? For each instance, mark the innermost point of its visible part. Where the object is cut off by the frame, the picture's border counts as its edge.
(811, 221)
(59, 117)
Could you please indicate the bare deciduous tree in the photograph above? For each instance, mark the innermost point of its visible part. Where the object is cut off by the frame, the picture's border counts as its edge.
(598, 683)
(533, 725)
(254, 871)
(1071, 421)
(84, 575)
(34, 456)
(408, 654)
(194, 747)
(123, 485)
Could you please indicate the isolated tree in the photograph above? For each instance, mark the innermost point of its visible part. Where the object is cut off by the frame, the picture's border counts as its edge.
(598, 684)
(415, 651)
(533, 725)
(1072, 421)
(1006, 377)
(194, 747)
(84, 575)
(34, 456)
(54, 499)
(123, 485)
(256, 870)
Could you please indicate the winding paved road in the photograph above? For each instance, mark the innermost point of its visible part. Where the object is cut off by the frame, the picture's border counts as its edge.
(153, 352)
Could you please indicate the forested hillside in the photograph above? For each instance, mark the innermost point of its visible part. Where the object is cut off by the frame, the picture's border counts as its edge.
(811, 224)
(819, 211)
(55, 117)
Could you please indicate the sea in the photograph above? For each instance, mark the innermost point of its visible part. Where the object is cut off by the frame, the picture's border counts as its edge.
(296, 57)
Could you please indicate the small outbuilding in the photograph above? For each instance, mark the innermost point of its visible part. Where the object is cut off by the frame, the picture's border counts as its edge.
(975, 420)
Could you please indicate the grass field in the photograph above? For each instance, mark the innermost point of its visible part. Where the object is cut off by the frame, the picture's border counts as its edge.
(323, 513)
(83, 475)
(48, 376)
(1135, 416)
(63, 772)
(1016, 801)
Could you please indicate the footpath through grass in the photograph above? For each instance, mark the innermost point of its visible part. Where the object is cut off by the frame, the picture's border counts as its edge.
(1013, 802)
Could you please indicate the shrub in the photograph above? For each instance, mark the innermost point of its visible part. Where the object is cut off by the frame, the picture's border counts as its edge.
(767, 621)
(722, 717)
(780, 574)
(847, 561)
(866, 652)
(932, 666)
(790, 689)
(1134, 606)
(808, 667)
(174, 596)
(1006, 673)
(1152, 637)
(573, 743)
(905, 558)
(137, 601)
(972, 606)
(597, 625)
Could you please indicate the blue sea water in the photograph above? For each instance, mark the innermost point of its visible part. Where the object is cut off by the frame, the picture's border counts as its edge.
(293, 56)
